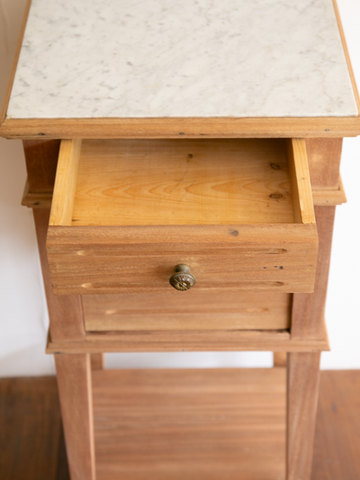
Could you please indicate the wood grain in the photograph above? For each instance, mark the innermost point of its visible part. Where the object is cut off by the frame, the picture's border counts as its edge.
(189, 341)
(182, 182)
(196, 311)
(324, 155)
(37, 199)
(322, 197)
(31, 428)
(31, 405)
(65, 183)
(300, 181)
(115, 128)
(168, 191)
(308, 309)
(93, 260)
(337, 434)
(65, 312)
(303, 372)
(193, 424)
(75, 392)
(41, 162)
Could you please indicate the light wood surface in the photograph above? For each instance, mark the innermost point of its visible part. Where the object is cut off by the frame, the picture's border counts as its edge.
(37, 199)
(74, 381)
(93, 260)
(324, 155)
(322, 197)
(182, 182)
(303, 373)
(31, 405)
(196, 311)
(189, 341)
(193, 424)
(308, 309)
(65, 183)
(337, 433)
(113, 128)
(65, 312)
(144, 207)
(300, 181)
(323, 158)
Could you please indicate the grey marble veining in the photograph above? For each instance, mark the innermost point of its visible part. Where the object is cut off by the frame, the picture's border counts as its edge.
(189, 58)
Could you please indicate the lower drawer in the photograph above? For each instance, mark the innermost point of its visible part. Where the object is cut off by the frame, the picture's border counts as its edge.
(200, 311)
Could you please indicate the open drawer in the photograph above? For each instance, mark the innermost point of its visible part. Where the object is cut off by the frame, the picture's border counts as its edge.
(238, 212)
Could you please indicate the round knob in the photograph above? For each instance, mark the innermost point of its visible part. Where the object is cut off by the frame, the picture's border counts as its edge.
(182, 279)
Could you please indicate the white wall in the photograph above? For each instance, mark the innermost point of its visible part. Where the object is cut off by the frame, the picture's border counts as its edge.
(23, 315)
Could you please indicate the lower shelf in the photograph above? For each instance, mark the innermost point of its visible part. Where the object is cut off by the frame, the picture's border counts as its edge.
(213, 424)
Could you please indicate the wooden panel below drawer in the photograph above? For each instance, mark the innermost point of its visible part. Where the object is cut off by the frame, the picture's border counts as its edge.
(187, 311)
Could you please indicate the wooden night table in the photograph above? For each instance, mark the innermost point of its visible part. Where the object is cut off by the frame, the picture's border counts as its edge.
(183, 170)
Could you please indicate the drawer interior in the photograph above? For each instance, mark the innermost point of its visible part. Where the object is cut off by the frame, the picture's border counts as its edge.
(182, 182)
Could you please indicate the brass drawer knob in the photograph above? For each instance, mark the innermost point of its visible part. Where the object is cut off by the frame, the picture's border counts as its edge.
(182, 279)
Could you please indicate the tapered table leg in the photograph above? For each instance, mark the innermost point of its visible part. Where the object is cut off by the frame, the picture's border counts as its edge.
(74, 382)
(303, 375)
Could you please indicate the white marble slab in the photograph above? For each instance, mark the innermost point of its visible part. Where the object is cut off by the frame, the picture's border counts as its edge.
(189, 58)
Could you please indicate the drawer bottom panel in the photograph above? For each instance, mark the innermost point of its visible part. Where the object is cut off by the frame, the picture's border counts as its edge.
(188, 311)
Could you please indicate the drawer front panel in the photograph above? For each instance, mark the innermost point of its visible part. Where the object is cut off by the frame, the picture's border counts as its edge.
(199, 311)
(91, 260)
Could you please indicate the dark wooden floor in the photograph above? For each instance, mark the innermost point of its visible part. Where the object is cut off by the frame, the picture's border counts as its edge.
(31, 437)
(32, 443)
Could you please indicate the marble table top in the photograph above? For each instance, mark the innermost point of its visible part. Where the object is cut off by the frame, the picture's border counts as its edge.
(189, 58)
